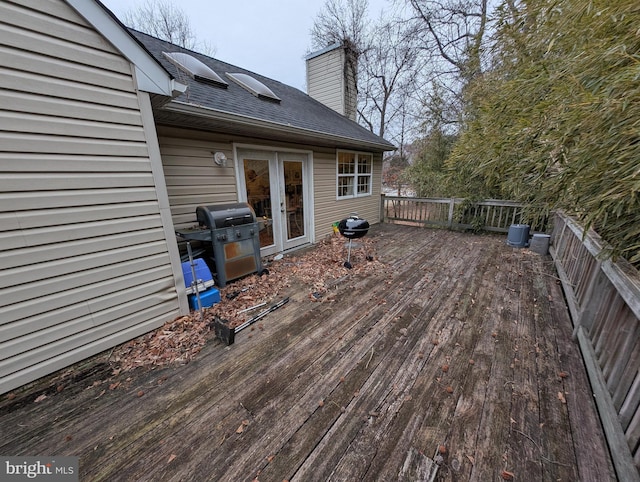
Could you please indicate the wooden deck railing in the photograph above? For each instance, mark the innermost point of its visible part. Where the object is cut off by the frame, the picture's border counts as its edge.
(488, 215)
(604, 302)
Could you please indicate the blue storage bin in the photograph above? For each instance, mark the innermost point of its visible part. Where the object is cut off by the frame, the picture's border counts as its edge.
(203, 273)
(207, 298)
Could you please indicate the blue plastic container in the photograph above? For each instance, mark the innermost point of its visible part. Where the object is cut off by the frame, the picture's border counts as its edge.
(203, 273)
(518, 235)
(207, 298)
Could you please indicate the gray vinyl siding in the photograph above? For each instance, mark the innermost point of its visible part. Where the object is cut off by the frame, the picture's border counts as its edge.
(84, 261)
(192, 178)
(328, 209)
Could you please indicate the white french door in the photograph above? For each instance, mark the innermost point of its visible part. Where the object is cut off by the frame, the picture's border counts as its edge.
(276, 185)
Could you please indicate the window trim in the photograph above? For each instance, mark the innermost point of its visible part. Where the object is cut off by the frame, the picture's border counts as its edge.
(355, 175)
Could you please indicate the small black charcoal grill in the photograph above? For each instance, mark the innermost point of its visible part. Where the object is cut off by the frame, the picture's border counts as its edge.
(351, 228)
(232, 231)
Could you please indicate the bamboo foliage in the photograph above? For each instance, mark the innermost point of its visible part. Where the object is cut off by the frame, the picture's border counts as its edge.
(556, 121)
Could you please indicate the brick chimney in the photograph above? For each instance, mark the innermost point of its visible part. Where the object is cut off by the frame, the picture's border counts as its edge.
(331, 78)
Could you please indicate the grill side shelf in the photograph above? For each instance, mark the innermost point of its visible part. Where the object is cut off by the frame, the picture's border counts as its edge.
(194, 234)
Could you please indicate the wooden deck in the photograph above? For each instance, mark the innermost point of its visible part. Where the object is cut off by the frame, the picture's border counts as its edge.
(459, 350)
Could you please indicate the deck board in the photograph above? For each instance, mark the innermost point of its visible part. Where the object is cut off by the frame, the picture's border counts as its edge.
(458, 342)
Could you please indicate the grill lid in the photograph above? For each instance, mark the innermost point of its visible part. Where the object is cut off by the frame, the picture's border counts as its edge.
(353, 227)
(225, 215)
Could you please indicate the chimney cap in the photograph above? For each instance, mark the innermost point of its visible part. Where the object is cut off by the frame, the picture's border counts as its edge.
(328, 48)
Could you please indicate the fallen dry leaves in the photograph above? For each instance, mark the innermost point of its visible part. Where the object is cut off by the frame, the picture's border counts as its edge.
(506, 475)
(317, 269)
(240, 429)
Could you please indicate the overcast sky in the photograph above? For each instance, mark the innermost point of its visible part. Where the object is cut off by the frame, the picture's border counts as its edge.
(270, 38)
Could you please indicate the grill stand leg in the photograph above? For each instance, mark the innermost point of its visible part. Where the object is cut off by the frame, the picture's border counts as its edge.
(347, 263)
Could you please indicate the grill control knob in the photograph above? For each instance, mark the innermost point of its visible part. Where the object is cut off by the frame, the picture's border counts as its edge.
(238, 234)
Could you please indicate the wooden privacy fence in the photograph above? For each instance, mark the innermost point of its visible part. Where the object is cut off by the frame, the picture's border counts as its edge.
(604, 302)
(488, 215)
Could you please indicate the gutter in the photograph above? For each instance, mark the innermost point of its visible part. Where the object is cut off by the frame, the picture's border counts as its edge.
(214, 114)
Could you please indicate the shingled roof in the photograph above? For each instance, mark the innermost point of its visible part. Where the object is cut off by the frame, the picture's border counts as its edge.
(296, 118)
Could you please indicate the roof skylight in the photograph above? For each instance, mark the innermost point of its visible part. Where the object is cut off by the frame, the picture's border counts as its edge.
(195, 68)
(254, 86)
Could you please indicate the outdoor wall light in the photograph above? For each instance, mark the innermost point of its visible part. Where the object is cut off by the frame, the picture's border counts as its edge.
(220, 159)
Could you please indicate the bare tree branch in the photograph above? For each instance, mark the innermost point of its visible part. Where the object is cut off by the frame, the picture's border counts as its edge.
(166, 21)
(341, 21)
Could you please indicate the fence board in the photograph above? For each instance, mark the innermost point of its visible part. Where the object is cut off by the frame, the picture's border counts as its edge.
(489, 215)
(604, 302)
(631, 402)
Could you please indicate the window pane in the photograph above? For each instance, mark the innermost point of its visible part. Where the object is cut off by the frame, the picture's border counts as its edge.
(346, 163)
(345, 186)
(364, 164)
(364, 184)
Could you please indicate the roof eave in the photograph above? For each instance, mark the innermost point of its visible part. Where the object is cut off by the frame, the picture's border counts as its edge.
(293, 131)
(150, 75)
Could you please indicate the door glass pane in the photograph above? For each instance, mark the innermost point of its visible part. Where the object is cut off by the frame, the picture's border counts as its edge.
(294, 199)
(256, 178)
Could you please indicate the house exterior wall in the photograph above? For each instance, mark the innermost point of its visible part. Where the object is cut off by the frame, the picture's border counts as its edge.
(193, 179)
(84, 256)
(328, 208)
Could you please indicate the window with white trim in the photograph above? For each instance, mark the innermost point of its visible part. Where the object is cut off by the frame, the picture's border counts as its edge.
(354, 174)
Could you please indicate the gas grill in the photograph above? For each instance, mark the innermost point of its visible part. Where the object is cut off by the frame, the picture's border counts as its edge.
(229, 235)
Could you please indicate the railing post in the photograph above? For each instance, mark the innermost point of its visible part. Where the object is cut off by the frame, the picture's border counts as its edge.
(382, 206)
(452, 203)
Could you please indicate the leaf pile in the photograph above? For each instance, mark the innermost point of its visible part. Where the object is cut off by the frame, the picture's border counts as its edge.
(315, 270)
